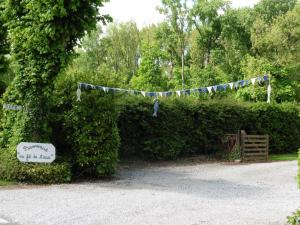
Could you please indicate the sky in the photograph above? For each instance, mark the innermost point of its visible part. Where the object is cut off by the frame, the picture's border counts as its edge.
(144, 12)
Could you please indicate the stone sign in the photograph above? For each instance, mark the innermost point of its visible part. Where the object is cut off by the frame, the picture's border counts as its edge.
(35, 152)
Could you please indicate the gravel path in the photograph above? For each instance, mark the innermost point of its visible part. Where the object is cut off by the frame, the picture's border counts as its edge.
(200, 194)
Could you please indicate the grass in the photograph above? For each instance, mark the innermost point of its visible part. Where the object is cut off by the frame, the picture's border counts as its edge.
(283, 157)
(6, 183)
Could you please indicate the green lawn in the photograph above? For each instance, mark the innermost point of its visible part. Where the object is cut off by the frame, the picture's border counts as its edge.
(6, 183)
(284, 157)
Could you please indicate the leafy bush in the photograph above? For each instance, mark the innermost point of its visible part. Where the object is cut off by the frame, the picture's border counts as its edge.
(294, 219)
(12, 169)
(281, 122)
(93, 134)
(188, 126)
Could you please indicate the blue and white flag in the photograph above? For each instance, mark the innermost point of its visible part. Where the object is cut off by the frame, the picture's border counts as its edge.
(215, 88)
(78, 93)
(156, 107)
(209, 89)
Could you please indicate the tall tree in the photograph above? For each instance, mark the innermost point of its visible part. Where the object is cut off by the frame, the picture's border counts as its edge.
(123, 51)
(4, 47)
(42, 34)
(267, 10)
(279, 43)
(150, 75)
(177, 13)
(205, 17)
(234, 41)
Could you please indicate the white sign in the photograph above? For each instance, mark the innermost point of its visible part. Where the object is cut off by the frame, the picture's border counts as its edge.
(35, 152)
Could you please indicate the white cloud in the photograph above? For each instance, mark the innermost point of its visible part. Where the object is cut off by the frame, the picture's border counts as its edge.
(144, 12)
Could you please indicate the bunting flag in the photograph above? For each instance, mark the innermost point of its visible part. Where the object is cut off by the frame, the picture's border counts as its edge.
(215, 88)
(210, 89)
(269, 93)
(156, 106)
(78, 93)
(236, 85)
(253, 80)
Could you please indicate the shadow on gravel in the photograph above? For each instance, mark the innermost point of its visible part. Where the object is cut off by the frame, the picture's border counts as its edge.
(179, 182)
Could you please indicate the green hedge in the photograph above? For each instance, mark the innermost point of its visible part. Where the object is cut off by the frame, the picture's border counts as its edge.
(12, 169)
(188, 126)
(92, 133)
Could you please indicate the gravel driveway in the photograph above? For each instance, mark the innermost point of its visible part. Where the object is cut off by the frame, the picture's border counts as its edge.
(213, 193)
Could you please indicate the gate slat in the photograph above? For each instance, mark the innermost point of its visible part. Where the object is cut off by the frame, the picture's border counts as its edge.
(255, 147)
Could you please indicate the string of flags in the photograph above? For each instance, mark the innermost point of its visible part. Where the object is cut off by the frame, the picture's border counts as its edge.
(210, 89)
(215, 88)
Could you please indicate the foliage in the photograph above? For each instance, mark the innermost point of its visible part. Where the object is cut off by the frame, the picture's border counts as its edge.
(205, 17)
(42, 35)
(4, 46)
(11, 169)
(149, 76)
(268, 10)
(177, 13)
(123, 49)
(6, 183)
(284, 157)
(235, 153)
(93, 135)
(189, 126)
(294, 219)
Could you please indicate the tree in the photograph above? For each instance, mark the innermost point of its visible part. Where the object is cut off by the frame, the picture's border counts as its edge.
(177, 13)
(4, 46)
(205, 18)
(92, 62)
(123, 49)
(267, 10)
(42, 35)
(150, 75)
(279, 43)
(234, 41)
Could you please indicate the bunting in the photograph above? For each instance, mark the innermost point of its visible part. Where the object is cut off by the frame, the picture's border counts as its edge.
(210, 89)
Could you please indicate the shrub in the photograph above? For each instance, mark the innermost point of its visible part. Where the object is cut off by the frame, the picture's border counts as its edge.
(93, 134)
(295, 218)
(187, 126)
(281, 122)
(12, 169)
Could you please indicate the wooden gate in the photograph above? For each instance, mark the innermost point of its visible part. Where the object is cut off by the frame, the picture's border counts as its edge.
(254, 147)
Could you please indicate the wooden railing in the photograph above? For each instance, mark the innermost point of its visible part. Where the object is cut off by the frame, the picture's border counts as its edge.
(254, 147)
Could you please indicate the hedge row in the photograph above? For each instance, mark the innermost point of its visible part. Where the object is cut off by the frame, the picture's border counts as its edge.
(12, 169)
(92, 133)
(89, 134)
(189, 126)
